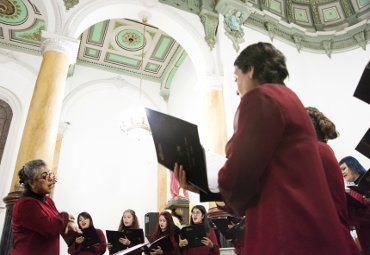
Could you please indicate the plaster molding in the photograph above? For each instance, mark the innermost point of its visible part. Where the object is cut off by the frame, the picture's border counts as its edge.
(212, 82)
(65, 45)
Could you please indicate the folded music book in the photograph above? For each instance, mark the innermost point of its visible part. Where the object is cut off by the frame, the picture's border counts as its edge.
(194, 234)
(177, 141)
(354, 203)
(136, 236)
(363, 185)
(164, 242)
(230, 227)
(364, 145)
(90, 237)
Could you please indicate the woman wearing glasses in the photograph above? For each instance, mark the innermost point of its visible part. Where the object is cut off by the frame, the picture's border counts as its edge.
(209, 243)
(36, 222)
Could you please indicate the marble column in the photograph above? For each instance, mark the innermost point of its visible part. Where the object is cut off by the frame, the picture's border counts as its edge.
(41, 127)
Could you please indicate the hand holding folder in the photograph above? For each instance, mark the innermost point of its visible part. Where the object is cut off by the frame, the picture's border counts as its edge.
(163, 242)
(136, 236)
(194, 234)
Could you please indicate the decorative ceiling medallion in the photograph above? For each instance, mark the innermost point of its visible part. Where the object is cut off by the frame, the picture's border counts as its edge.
(13, 12)
(130, 39)
(70, 3)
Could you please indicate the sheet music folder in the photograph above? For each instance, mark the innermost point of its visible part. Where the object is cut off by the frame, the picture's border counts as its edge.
(136, 236)
(164, 242)
(177, 141)
(363, 185)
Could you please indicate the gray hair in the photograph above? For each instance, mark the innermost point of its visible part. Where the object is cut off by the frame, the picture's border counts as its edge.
(30, 171)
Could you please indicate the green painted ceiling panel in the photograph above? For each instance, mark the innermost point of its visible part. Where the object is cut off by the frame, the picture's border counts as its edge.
(300, 15)
(31, 35)
(276, 6)
(97, 33)
(162, 48)
(330, 14)
(92, 53)
(150, 67)
(362, 3)
(122, 60)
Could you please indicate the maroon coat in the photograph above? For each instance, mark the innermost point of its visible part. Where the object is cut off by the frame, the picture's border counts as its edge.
(336, 186)
(36, 227)
(274, 176)
(98, 249)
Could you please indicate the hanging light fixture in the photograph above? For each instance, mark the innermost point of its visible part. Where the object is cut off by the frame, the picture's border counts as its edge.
(135, 118)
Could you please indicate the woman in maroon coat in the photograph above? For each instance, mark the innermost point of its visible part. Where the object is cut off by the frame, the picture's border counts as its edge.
(79, 247)
(274, 174)
(36, 222)
(166, 227)
(326, 130)
(352, 171)
(210, 243)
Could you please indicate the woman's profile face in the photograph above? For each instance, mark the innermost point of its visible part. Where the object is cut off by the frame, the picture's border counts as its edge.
(348, 175)
(127, 219)
(162, 223)
(244, 81)
(84, 222)
(44, 182)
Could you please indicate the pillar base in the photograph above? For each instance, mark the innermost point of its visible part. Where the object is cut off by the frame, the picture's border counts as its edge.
(6, 236)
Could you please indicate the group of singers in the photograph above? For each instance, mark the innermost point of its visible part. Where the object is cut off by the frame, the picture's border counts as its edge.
(278, 174)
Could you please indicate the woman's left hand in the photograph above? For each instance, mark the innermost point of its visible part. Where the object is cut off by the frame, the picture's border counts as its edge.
(80, 239)
(156, 251)
(207, 242)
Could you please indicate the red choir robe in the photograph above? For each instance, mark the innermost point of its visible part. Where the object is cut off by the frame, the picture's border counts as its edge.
(36, 226)
(204, 250)
(274, 176)
(336, 185)
(98, 249)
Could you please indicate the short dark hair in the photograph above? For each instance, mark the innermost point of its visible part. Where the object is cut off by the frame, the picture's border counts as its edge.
(268, 63)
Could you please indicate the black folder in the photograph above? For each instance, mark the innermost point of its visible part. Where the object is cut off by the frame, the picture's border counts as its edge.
(194, 234)
(164, 242)
(222, 224)
(363, 185)
(364, 145)
(362, 91)
(354, 203)
(136, 236)
(177, 141)
(90, 237)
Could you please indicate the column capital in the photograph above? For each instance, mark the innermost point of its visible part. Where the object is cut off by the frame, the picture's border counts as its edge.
(211, 82)
(65, 45)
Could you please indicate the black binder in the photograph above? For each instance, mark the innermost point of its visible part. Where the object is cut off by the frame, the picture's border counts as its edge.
(363, 185)
(90, 237)
(164, 242)
(222, 224)
(136, 236)
(194, 234)
(177, 141)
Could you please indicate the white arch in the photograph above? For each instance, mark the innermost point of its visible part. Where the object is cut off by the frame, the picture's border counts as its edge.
(51, 13)
(11, 147)
(160, 15)
(117, 83)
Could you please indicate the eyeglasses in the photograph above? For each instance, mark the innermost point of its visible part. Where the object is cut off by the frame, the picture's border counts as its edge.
(48, 176)
(196, 213)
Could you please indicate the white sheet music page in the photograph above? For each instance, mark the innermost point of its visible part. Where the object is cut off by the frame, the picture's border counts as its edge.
(214, 163)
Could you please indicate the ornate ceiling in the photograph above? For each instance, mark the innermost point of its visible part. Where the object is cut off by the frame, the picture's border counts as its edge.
(115, 45)
(313, 25)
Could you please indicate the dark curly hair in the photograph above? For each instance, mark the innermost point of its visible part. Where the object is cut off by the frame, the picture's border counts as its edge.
(325, 128)
(268, 63)
(29, 172)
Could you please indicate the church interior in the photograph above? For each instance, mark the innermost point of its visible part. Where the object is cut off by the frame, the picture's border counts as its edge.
(80, 107)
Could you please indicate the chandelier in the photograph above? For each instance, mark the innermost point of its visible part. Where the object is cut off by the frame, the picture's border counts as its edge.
(135, 118)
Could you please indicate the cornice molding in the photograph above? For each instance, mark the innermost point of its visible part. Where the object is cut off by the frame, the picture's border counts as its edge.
(65, 45)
